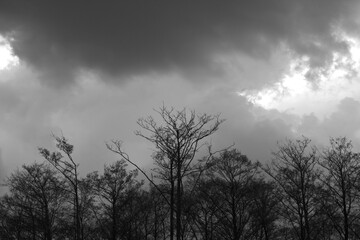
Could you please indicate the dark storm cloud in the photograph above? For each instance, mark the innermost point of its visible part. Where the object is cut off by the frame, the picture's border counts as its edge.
(122, 38)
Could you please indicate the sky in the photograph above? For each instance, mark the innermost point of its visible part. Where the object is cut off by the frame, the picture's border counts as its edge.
(88, 70)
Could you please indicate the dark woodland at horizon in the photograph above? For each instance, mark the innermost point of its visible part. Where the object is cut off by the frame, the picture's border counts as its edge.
(304, 193)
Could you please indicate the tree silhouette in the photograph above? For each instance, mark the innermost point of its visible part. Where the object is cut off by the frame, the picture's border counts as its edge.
(37, 197)
(69, 169)
(232, 176)
(341, 181)
(294, 172)
(177, 139)
(114, 189)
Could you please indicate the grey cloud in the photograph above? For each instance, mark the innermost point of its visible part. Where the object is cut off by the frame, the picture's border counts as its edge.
(2, 175)
(100, 113)
(253, 130)
(2, 170)
(8, 100)
(343, 122)
(123, 38)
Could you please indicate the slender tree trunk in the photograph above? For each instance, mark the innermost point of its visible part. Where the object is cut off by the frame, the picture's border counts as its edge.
(302, 229)
(305, 208)
(155, 223)
(172, 192)
(114, 233)
(178, 202)
(346, 220)
(48, 232)
(234, 220)
(77, 210)
(266, 233)
(33, 228)
(178, 192)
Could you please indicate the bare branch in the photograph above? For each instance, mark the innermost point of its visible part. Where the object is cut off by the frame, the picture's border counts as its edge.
(115, 147)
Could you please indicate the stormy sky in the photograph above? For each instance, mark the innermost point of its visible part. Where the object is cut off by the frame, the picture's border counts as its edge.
(90, 69)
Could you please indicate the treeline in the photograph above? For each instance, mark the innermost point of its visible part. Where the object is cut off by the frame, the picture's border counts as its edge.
(305, 193)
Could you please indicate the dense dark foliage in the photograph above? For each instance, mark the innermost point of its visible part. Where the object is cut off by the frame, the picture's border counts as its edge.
(305, 193)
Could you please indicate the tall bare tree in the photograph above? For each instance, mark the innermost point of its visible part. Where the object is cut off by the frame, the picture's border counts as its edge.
(295, 174)
(114, 190)
(36, 196)
(69, 169)
(341, 181)
(233, 176)
(177, 137)
(263, 210)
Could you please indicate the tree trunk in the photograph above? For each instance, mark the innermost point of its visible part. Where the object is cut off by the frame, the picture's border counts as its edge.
(77, 210)
(114, 233)
(47, 230)
(172, 192)
(178, 202)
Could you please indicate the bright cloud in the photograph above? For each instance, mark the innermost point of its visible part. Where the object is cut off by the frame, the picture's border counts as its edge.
(7, 57)
(294, 93)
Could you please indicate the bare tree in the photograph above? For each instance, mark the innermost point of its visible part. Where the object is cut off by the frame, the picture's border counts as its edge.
(114, 190)
(294, 172)
(69, 169)
(177, 139)
(264, 210)
(36, 196)
(233, 175)
(340, 179)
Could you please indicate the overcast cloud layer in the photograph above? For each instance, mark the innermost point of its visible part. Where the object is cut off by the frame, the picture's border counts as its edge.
(91, 69)
(126, 38)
